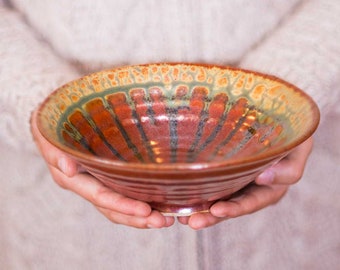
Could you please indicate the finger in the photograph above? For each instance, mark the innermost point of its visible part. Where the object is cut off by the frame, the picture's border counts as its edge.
(154, 220)
(169, 221)
(251, 200)
(203, 220)
(183, 220)
(290, 169)
(51, 154)
(95, 192)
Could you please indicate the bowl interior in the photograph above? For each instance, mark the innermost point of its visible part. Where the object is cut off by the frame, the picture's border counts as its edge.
(177, 113)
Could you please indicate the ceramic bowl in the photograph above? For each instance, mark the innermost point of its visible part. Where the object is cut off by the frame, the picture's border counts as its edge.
(178, 136)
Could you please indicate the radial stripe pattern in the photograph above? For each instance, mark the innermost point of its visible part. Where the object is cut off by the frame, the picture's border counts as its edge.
(192, 125)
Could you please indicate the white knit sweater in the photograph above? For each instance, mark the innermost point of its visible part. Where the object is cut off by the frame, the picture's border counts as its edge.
(293, 39)
(44, 44)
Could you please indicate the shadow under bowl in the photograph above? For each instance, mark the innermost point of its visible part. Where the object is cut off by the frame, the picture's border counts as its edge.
(178, 136)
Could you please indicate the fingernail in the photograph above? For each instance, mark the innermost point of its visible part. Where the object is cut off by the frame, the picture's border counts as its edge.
(152, 226)
(266, 178)
(221, 215)
(218, 211)
(62, 165)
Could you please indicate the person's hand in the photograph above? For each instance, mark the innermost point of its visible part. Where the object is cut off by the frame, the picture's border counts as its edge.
(268, 189)
(115, 207)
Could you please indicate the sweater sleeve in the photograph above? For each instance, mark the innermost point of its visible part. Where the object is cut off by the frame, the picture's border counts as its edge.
(29, 71)
(304, 50)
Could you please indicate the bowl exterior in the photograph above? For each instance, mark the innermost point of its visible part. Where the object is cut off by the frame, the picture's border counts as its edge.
(180, 192)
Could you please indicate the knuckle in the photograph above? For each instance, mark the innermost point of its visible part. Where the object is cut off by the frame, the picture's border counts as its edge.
(60, 180)
(105, 198)
(296, 175)
(98, 196)
(248, 206)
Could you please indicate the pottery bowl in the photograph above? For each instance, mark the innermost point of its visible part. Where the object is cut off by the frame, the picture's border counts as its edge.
(178, 136)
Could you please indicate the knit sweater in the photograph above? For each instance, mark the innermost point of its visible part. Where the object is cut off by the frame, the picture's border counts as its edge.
(290, 39)
(44, 44)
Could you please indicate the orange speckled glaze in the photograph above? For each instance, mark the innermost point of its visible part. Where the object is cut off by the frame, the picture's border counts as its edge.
(178, 136)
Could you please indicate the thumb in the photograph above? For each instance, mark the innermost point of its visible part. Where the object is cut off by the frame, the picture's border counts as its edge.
(290, 169)
(52, 155)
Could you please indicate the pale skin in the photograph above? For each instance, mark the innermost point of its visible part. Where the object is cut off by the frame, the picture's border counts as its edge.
(268, 189)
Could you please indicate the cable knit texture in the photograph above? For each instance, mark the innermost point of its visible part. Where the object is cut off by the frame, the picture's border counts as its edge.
(44, 44)
(29, 71)
(302, 52)
(125, 31)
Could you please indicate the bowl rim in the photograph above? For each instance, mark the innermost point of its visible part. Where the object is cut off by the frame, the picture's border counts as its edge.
(240, 162)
